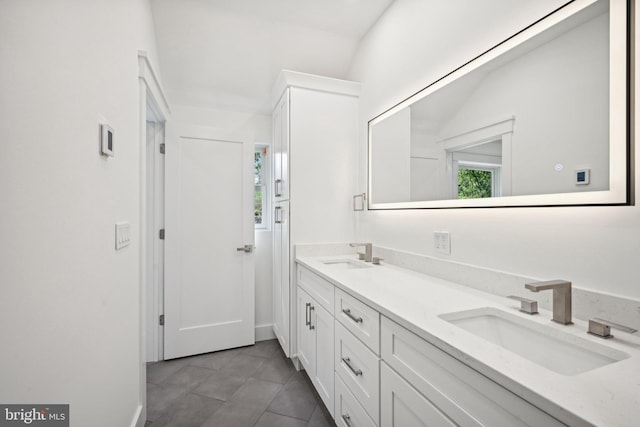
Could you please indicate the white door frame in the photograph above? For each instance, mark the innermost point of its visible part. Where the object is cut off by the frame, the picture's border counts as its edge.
(152, 100)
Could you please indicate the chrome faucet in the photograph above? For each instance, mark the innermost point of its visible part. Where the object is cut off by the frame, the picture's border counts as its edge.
(561, 298)
(368, 250)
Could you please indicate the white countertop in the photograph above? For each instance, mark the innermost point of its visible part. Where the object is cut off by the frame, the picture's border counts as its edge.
(606, 396)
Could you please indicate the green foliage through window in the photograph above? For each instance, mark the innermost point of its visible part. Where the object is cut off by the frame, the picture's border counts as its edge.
(260, 187)
(474, 183)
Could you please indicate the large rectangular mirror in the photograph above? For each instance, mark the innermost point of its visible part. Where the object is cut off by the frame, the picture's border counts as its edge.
(542, 119)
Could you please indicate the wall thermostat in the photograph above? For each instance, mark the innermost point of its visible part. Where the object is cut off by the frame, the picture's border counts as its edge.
(582, 176)
(106, 140)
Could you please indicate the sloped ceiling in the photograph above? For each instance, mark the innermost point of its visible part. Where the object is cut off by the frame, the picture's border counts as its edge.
(227, 53)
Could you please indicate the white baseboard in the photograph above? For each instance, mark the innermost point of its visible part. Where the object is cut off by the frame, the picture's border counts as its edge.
(264, 332)
(138, 419)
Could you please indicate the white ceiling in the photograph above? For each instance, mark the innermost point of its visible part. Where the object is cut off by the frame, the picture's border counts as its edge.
(227, 53)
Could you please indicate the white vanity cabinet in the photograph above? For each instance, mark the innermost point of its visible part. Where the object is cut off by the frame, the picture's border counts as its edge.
(315, 130)
(315, 336)
(430, 382)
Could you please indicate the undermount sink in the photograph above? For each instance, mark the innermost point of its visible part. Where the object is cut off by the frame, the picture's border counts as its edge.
(546, 346)
(345, 263)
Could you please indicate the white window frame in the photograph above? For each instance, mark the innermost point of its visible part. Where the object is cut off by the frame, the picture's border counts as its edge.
(266, 190)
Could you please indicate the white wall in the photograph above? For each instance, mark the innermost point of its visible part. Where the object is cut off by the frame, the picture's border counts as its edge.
(260, 126)
(69, 303)
(415, 43)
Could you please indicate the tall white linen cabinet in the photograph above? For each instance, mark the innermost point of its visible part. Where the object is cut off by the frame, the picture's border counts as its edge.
(314, 151)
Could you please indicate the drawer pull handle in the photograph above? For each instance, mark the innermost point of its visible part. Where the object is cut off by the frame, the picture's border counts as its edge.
(347, 418)
(351, 316)
(347, 361)
(307, 321)
(311, 327)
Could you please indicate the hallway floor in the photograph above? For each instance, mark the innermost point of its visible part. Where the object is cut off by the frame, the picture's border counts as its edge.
(248, 386)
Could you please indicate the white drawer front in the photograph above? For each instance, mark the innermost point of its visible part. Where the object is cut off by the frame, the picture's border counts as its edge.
(465, 395)
(320, 289)
(360, 319)
(349, 413)
(359, 368)
(402, 406)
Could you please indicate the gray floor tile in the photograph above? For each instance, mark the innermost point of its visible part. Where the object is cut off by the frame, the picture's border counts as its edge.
(257, 392)
(269, 419)
(234, 414)
(296, 399)
(189, 376)
(220, 385)
(159, 371)
(320, 419)
(265, 349)
(213, 360)
(246, 406)
(191, 392)
(161, 397)
(243, 365)
(190, 410)
(276, 369)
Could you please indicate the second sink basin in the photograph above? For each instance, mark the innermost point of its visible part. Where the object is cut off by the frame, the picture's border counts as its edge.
(544, 345)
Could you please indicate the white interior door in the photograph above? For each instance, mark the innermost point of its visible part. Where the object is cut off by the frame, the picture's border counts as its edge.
(209, 283)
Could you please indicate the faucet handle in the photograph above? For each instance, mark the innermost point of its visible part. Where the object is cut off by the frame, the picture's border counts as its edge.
(602, 328)
(528, 306)
(376, 260)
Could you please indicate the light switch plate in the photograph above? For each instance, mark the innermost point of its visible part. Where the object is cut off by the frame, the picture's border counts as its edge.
(123, 234)
(442, 242)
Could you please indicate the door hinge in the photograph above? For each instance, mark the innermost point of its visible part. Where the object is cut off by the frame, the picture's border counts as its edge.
(161, 234)
(162, 148)
(162, 320)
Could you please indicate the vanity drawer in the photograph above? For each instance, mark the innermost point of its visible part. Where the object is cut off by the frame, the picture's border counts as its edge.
(349, 412)
(401, 405)
(463, 394)
(359, 368)
(320, 289)
(360, 319)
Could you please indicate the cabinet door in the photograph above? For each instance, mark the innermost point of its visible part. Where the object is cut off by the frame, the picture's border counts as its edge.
(281, 148)
(322, 323)
(402, 406)
(281, 294)
(306, 332)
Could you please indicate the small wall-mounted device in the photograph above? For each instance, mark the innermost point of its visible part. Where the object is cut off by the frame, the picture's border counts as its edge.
(106, 140)
(583, 176)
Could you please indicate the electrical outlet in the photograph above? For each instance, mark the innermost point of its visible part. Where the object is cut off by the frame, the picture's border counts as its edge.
(442, 242)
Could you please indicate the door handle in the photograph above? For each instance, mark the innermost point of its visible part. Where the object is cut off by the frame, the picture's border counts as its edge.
(307, 320)
(246, 248)
(311, 327)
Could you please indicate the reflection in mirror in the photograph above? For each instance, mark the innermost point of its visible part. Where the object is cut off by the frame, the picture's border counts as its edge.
(523, 119)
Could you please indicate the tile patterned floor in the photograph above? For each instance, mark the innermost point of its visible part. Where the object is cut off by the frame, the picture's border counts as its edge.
(249, 386)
